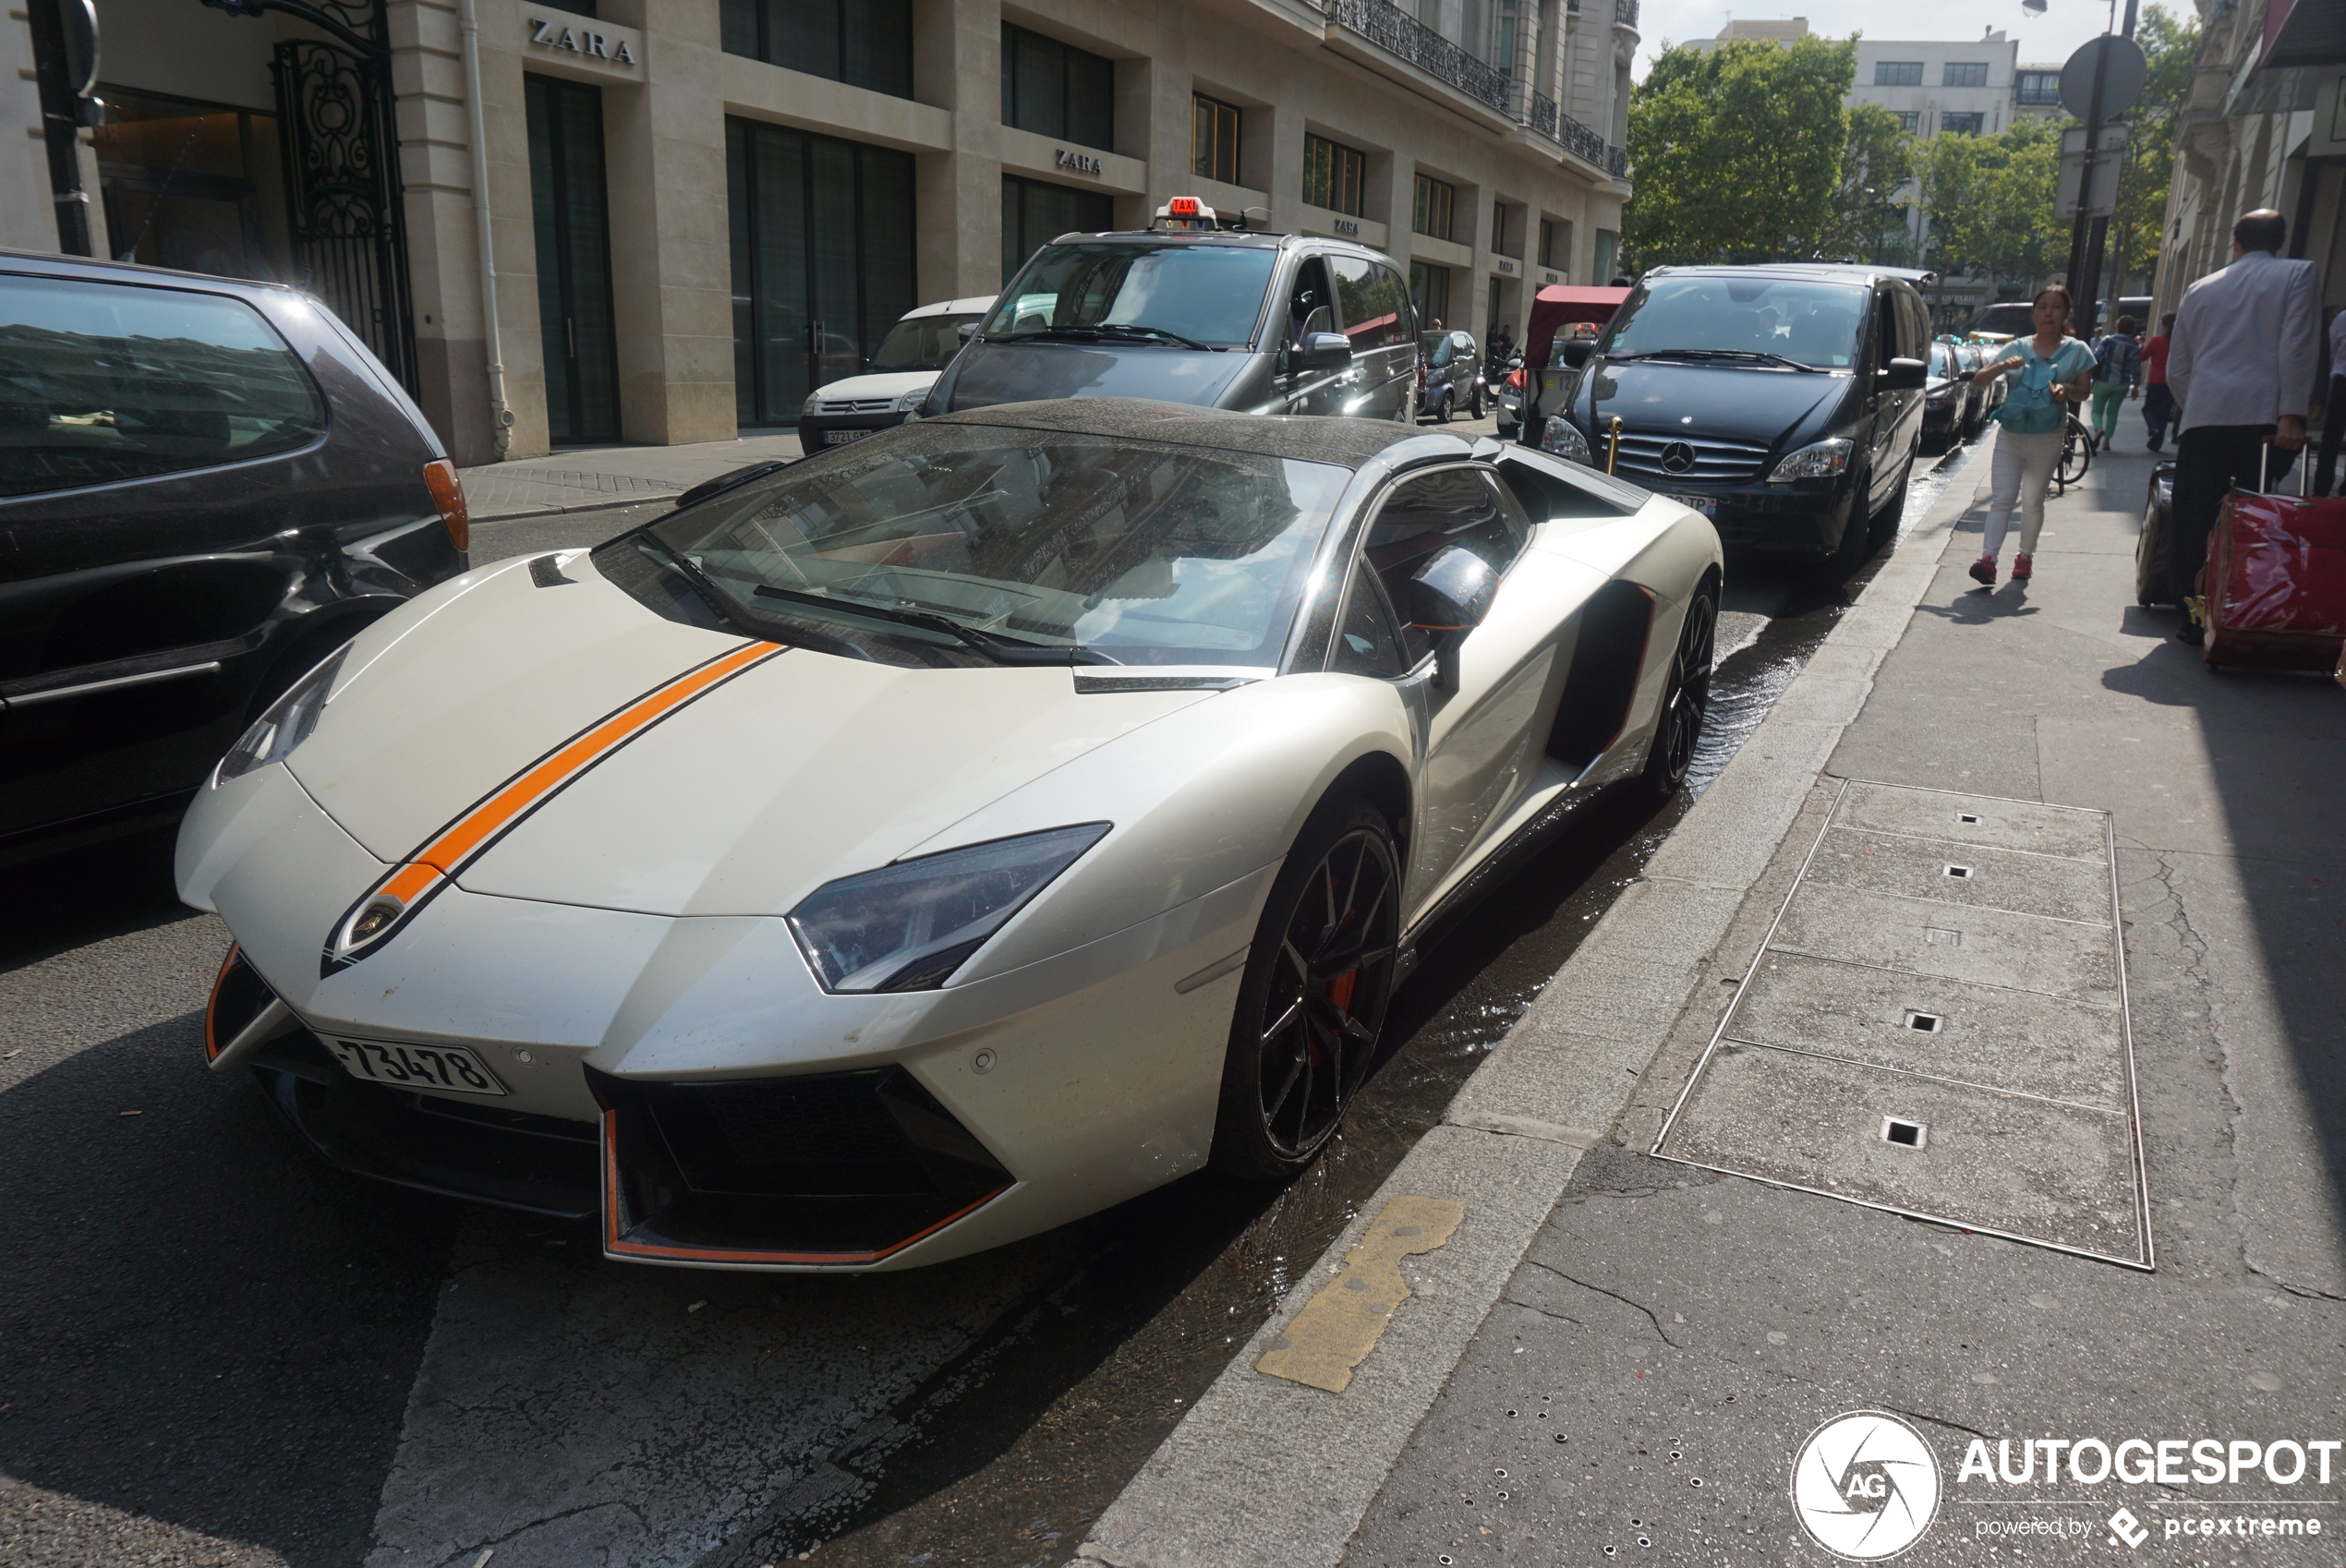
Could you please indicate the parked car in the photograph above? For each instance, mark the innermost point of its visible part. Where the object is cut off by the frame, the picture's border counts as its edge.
(1785, 401)
(1985, 400)
(2002, 321)
(1566, 323)
(896, 377)
(1193, 312)
(1453, 376)
(941, 838)
(206, 486)
(1946, 398)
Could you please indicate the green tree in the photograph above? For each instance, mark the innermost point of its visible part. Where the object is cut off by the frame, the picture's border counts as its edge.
(2138, 227)
(1737, 151)
(1990, 203)
(1868, 219)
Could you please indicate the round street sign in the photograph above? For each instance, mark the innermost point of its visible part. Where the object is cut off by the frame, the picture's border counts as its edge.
(2123, 71)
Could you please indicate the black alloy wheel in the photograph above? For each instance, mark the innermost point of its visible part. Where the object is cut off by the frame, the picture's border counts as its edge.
(1474, 402)
(1312, 1003)
(1685, 699)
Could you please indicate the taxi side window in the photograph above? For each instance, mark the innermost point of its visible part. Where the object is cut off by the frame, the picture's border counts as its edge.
(1465, 505)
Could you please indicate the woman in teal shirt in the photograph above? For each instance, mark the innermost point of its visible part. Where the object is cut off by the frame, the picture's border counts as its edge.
(2048, 372)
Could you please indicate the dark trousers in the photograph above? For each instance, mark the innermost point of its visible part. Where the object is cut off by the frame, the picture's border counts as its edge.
(2209, 460)
(2158, 409)
(2333, 426)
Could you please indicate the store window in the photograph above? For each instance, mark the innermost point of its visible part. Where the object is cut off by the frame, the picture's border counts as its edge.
(1213, 139)
(191, 185)
(1334, 175)
(1436, 204)
(1499, 228)
(866, 43)
(1555, 244)
(822, 243)
(1035, 212)
(1608, 248)
(1430, 291)
(1056, 90)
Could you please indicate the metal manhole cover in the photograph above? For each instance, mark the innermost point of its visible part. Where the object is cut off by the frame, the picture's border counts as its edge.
(1936, 1026)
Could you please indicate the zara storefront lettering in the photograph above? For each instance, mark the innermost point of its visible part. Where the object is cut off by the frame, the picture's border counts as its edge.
(579, 41)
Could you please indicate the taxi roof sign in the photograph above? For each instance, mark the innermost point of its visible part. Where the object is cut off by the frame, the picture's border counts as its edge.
(1182, 207)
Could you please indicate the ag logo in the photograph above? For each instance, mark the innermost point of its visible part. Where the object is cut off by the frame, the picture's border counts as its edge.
(1865, 1485)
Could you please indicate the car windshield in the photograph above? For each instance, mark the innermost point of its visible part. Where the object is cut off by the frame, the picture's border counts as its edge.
(920, 343)
(1208, 294)
(1809, 322)
(1142, 552)
(2012, 319)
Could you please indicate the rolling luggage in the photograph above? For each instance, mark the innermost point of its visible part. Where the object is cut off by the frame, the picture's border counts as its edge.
(2276, 582)
(2150, 548)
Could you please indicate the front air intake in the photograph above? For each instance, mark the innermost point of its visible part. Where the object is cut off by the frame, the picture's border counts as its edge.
(817, 1168)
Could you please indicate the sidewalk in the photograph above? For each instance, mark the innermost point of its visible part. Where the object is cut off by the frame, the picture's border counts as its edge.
(586, 478)
(1615, 1356)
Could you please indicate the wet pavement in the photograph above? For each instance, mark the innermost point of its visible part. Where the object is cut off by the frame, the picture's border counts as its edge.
(509, 1388)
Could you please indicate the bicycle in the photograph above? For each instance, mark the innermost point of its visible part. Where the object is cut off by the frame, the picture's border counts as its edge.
(2076, 454)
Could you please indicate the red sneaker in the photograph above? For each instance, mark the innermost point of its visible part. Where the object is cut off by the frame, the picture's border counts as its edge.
(2021, 567)
(1984, 570)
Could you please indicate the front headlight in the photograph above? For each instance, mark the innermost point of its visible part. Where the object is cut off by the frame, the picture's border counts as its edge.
(286, 725)
(909, 926)
(1822, 461)
(813, 401)
(1561, 437)
(910, 401)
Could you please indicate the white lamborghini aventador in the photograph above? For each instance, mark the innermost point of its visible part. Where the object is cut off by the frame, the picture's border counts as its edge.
(938, 839)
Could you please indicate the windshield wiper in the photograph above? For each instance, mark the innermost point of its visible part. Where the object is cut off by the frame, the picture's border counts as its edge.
(1001, 650)
(1147, 334)
(1754, 355)
(1112, 330)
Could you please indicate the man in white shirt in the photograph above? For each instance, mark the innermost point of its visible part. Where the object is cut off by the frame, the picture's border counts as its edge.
(2240, 362)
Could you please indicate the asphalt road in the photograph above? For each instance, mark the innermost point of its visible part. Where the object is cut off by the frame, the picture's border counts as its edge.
(215, 1350)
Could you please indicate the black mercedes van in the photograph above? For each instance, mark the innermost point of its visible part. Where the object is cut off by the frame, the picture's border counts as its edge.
(1782, 401)
(1260, 323)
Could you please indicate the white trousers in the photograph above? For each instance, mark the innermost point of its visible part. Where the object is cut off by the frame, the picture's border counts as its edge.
(2022, 475)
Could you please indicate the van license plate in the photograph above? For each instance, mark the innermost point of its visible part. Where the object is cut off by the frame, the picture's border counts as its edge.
(840, 438)
(1707, 505)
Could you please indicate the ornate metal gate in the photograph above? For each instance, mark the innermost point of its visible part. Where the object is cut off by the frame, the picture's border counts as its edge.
(341, 175)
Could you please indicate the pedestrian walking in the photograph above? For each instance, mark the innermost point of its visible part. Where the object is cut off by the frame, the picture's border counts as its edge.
(2242, 365)
(2333, 406)
(2048, 372)
(2159, 399)
(2118, 376)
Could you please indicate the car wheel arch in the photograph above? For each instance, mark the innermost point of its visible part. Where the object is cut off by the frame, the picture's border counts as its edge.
(1382, 779)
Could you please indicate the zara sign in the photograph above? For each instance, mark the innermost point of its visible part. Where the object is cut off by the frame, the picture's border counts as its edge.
(579, 41)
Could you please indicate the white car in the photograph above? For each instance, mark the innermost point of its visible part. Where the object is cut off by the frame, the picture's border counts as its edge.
(904, 368)
(934, 841)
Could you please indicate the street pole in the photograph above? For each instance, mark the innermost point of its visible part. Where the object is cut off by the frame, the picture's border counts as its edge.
(60, 125)
(2092, 236)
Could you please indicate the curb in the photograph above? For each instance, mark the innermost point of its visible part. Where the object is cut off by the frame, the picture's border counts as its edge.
(1508, 1143)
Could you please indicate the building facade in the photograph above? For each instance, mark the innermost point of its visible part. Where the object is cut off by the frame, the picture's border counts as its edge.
(1931, 87)
(698, 209)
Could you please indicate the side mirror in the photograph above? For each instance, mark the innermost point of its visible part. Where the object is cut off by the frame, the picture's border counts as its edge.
(1902, 375)
(1577, 351)
(966, 331)
(1325, 351)
(1449, 596)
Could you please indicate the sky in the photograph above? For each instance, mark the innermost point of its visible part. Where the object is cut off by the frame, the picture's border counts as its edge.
(2046, 39)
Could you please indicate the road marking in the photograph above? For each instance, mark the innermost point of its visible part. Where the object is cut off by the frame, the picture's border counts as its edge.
(1339, 1327)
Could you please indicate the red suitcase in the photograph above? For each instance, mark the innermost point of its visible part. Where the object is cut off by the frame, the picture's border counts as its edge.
(2275, 583)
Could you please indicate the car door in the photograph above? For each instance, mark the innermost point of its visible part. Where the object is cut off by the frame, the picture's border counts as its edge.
(1482, 743)
(1310, 307)
(1374, 305)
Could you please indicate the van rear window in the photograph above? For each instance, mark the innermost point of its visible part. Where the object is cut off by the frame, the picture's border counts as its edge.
(102, 382)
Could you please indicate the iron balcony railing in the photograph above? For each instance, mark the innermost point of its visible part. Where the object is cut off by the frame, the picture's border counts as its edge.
(1625, 13)
(1401, 34)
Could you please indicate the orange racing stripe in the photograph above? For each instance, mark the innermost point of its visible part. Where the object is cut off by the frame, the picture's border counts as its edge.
(454, 846)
